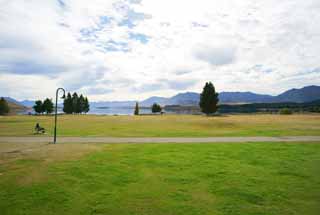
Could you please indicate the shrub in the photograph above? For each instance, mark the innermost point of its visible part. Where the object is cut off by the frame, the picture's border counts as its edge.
(38, 107)
(286, 111)
(315, 109)
(156, 108)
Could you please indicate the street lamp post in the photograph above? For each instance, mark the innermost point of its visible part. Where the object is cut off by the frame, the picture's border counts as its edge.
(56, 113)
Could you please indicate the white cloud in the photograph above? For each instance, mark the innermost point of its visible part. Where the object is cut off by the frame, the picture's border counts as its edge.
(124, 45)
(216, 56)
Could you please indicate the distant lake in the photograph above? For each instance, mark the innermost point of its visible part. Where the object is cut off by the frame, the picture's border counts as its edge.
(117, 111)
(101, 111)
(112, 111)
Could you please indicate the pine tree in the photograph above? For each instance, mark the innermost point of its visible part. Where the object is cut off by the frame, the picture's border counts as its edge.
(81, 104)
(4, 107)
(38, 107)
(209, 99)
(136, 110)
(67, 104)
(47, 106)
(75, 103)
(86, 105)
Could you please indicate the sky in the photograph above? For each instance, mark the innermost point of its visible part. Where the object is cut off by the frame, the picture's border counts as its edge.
(133, 49)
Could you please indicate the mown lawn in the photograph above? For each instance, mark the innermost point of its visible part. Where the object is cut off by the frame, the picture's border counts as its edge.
(165, 126)
(255, 178)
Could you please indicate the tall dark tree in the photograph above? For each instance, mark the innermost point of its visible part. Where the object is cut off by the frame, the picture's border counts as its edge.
(75, 103)
(4, 107)
(86, 105)
(156, 108)
(47, 106)
(81, 104)
(136, 109)
(67, 104)
(38, 107)
(209, 99)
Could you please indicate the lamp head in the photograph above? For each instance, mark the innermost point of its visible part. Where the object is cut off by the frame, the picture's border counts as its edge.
(63, 96)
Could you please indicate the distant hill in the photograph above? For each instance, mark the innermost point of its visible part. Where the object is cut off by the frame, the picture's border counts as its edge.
(313, 106)
(305, 94)
(243, 97)
(152, 100)
(14, 105)
(11, 100)
(188, 98)
(27, 103)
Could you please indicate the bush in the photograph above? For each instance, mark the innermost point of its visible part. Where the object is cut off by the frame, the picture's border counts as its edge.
(156, 108)
(315, 109)
(38, 107)
(286, 111)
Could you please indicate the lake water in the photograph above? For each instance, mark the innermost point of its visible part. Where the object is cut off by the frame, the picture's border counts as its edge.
(117, 111)
(103, 111)
(114, 111)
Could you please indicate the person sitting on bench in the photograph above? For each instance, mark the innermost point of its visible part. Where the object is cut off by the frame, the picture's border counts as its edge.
(39, 129)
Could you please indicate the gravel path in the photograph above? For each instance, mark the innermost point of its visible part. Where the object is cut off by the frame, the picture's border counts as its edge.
(159, 139)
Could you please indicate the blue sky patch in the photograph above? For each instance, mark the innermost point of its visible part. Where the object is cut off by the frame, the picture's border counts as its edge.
(132, 18)
(127, 22)
(61, 3)
(139, 37)
(113, 46)
(105, 20)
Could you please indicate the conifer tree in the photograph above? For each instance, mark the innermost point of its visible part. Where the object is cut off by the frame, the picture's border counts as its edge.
(4, 107)
(81, 104)
(75, 103)
(136, 109)
(86, 105)
(67, 104)
(209, 99)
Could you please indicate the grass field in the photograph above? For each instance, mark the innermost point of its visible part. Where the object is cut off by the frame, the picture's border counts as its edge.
(255, 178)
(165, 126)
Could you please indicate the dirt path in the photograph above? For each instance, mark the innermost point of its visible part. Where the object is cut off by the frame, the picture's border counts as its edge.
(159, 139)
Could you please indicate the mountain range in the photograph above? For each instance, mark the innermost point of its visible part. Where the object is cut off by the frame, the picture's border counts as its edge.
(14, 105)
(305, 94)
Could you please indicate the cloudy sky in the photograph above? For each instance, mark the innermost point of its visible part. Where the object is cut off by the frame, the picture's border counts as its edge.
(132, 49)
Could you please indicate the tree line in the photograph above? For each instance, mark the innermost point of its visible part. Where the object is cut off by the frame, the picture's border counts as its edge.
(75, 104)
(45, 106)
(71, 104)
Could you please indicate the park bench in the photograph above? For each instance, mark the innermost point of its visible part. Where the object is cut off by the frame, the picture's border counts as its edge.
(39, 130)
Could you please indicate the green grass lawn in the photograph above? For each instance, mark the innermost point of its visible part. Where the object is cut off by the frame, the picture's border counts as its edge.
(255, 178)
(165, 126)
